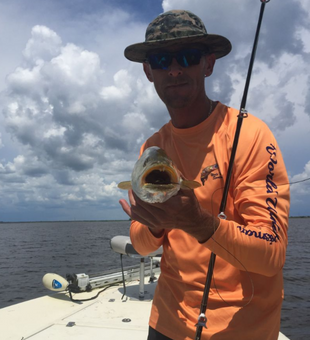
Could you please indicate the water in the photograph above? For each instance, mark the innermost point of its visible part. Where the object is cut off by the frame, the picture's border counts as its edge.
(296, 306)
(29, 250)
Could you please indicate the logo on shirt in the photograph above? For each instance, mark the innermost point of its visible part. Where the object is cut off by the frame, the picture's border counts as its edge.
(212, 170)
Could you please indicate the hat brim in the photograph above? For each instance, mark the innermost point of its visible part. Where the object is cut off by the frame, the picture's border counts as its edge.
(216, 44)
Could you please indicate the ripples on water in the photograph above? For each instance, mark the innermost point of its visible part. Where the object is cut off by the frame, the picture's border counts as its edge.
(29, 250)
(296, 305)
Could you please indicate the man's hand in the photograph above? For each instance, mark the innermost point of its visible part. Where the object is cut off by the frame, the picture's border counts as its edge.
(181, 211)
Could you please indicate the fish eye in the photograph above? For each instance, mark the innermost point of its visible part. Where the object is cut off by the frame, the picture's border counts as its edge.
(146, 161)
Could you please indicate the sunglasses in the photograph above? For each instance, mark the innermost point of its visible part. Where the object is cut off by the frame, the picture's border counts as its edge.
(185, 58)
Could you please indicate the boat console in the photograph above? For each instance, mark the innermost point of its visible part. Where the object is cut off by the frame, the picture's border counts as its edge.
(123, 246)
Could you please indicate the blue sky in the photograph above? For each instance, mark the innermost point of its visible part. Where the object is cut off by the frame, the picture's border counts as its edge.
(74, 111)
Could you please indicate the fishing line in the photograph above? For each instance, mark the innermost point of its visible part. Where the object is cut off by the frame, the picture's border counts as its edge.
(302, 180)
(263, 186)
(244, 267)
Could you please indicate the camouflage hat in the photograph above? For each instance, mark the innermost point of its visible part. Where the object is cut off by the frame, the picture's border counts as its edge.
(173, 28)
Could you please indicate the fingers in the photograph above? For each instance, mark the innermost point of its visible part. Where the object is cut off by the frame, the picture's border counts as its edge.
(143, 212)
(125, 207)
(136, 210)
(131, 198)
(178, 211)
(181, 211)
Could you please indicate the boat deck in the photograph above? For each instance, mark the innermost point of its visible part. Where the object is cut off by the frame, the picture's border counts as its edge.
(57, 317)
(107, 317)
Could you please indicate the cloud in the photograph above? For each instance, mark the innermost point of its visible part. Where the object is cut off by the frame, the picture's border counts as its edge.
(280, 60)
(74, 112)
(286, 115)
(44, 45)
(278, 31)
(300, 183)
(59, 93)
(300, 188)
(73, 126)
(307, 102)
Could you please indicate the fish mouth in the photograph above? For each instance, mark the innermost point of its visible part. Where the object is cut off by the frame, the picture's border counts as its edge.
(160, 177)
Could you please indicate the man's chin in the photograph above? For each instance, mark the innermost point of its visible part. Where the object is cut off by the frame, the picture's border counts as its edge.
(177, 102)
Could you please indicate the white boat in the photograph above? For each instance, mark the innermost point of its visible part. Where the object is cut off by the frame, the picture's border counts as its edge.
(119, 312)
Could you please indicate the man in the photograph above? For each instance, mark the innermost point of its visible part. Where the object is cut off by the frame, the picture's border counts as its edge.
(250, 244)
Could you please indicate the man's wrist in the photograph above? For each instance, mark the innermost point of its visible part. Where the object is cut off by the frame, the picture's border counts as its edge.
(207, 229)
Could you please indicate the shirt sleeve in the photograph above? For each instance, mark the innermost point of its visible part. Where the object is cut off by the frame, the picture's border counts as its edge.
(143, 240)
(254, 236)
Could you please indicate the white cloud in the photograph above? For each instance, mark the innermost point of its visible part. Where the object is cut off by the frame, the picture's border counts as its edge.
(122, 88)
(71, 124)
(43, 44)
(75, 112)
(300, 183)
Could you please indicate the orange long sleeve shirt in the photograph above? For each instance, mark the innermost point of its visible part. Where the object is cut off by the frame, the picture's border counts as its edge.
(247, 287)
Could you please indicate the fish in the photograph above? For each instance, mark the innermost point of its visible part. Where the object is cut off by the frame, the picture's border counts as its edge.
(155, 178)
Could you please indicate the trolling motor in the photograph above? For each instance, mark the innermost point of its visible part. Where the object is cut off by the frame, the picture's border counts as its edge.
(79, 283)
(76, 283)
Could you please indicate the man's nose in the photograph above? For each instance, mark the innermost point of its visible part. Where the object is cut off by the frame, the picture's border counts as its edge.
(175, 69)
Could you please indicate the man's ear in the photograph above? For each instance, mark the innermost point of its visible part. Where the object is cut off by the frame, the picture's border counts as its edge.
(148, 72)
(209, 65)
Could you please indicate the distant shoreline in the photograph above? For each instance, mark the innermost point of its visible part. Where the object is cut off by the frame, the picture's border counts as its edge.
(64, 221)
(70, 221)
(299, 217)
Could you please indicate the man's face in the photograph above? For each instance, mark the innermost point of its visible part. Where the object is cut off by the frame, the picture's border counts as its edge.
(177, 86)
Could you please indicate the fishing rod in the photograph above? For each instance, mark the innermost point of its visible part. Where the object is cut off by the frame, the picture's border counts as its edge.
(202, 320)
